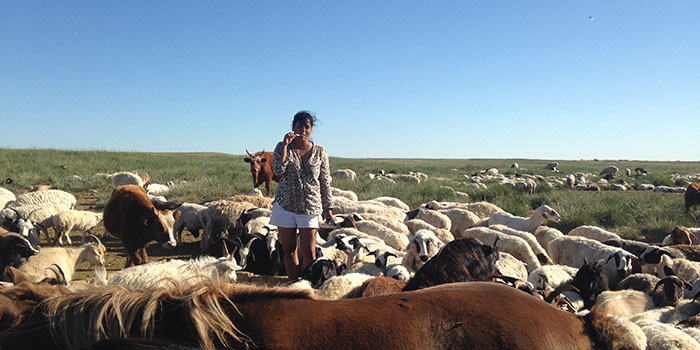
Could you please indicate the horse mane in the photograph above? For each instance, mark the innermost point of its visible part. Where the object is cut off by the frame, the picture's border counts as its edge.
(117, 312)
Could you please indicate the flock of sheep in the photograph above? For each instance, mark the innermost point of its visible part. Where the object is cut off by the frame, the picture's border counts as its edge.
(652, 286)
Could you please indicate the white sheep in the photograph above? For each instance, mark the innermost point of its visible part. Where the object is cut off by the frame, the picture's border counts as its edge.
(67, 258)
(392, 263)
(127, 178)
(414, 225)
(337, 192)
(540, 253)
(340, 287)
(513, 245)
(508, 265)
(551, 276)
(388, 221)
(218, 217)
(41, 197)
(661, 336)
(541, 214)
(572, 250)
(432, 217)
(392, 238)
(157, 189)
(344, 174)
(623, 303)
(460, 219)
(185, 272)
(545, 234)
(594, 233)
(342, 205)
(685, 269)
(67, 220)
(392, 202)
(6, 196)
(190, 218)
(423, 245)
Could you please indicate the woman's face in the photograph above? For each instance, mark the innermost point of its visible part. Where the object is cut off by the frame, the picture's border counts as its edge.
(303, 128)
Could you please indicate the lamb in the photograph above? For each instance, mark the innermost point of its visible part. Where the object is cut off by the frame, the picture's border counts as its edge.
(422, 246)
(66, 220)
(623, 303)
(513, 245)
(391, 262)
(190, 218)
(551, 276)
(185, 272)
(594, 232)
(127, 178)
(661, 336)
(530, 224)
(414, 225)
(545, 234)
(67, 258)
(432, 217)
(392, 238)
(541, 254)
(337, 192)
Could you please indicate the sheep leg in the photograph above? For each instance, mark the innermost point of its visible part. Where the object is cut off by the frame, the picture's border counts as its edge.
(67, 234)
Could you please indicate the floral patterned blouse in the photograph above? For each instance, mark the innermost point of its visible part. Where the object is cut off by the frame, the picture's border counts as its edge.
(304, 187)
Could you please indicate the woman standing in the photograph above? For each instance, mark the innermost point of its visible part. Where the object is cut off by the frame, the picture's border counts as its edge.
(303, 194)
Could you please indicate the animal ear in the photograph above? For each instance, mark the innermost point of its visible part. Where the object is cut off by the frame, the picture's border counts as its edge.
(669, 271)
(388, 254)
(246, 159)
(176, 214)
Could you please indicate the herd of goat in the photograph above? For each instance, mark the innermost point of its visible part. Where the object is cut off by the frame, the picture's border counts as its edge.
(385, 276)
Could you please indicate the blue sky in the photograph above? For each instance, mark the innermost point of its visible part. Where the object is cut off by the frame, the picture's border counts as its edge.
(448, 79)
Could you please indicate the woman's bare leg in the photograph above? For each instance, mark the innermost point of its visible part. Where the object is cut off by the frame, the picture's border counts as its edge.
(288, 238)
(307, 240)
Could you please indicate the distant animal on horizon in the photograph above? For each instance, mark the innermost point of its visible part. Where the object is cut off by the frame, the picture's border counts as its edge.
(131, 216)
(261, 168)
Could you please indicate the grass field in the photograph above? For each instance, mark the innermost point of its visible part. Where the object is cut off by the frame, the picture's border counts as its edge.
(633, 214)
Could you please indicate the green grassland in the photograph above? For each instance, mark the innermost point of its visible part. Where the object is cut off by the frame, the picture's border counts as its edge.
(632, 214)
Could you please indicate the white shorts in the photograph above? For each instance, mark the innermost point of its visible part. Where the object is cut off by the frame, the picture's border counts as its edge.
(287, 219)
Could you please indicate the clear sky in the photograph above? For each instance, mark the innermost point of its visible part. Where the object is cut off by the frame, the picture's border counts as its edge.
(418, 79)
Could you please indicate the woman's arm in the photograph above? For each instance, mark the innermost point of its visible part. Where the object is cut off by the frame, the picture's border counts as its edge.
(324, 180)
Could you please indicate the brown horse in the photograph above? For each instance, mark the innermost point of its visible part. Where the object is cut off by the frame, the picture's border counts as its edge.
(474, 315)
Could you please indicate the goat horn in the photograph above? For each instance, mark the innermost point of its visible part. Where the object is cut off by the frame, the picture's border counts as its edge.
(559, 290)
(697, 295)
(224, 248)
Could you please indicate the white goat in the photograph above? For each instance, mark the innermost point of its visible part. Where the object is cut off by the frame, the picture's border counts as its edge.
(185, 272)
(67, 258)
(541, 214)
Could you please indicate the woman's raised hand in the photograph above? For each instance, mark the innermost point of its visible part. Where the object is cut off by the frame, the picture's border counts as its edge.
(288, 138)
